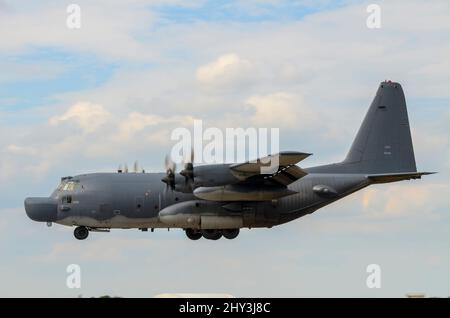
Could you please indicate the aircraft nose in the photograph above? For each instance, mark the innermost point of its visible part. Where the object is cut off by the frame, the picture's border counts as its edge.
(41, 209)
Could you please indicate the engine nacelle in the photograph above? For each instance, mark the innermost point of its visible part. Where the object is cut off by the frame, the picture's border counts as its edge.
(241, 193)
(214, 175)
(199, 215)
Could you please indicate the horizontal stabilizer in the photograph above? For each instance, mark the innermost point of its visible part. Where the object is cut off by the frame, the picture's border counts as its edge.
(392, 177)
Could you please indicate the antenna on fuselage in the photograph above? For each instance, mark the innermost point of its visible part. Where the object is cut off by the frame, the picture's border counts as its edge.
(136, 168)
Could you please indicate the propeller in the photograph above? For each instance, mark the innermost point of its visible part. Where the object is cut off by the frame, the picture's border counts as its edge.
(169, 179)
(188, 171)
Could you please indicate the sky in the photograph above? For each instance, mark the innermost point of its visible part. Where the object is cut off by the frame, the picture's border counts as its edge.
(109, 93)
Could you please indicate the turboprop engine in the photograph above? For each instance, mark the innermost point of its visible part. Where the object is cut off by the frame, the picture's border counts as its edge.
(241, 193)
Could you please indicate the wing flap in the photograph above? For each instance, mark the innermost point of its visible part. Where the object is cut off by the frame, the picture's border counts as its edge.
(282, 159)
(287, 175)
(279, 169)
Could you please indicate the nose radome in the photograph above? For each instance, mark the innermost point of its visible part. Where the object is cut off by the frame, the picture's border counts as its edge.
(41, 209)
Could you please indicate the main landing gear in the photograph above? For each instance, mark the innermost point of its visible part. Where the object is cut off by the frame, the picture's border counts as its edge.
(193, 234)
(211, 234)
(81, 233)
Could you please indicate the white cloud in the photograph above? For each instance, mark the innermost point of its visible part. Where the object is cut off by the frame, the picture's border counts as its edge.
(106, 29)
(303, 80)
(136, 122)
(405, 199)
(19, 150)
(88, 116)
(281, 110)
(105, 135)
(225, 69)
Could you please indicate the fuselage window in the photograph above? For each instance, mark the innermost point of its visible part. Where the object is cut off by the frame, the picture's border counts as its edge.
(67, 199)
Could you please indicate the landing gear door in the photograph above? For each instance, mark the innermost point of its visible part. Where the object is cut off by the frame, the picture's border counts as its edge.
(267, 214)
(248, 215)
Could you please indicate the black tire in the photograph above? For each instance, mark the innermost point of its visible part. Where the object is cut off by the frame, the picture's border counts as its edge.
(81, 233)
(230, 233)
(212, 234)
(193, 234)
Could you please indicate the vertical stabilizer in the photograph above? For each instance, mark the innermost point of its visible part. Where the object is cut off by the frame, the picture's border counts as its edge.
(383, 143)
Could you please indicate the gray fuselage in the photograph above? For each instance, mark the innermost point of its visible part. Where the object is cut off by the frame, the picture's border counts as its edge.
(135, 200)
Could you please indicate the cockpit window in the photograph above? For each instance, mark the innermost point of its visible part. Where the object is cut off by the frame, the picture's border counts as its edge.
(70, 186)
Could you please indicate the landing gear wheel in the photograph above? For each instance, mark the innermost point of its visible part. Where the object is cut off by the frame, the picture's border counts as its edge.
(193, 234)
(212, 234)
(81, 232)
(230, 233)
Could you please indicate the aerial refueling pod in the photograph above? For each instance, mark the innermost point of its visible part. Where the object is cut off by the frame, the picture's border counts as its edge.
(198, 214)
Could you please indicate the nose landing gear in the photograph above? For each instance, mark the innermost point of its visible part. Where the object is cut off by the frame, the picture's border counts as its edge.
(81, 233)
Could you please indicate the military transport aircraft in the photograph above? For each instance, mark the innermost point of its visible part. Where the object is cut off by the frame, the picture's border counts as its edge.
(212, 201)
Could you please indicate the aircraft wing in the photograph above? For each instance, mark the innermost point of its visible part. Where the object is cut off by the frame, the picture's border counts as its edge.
(278, 169)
